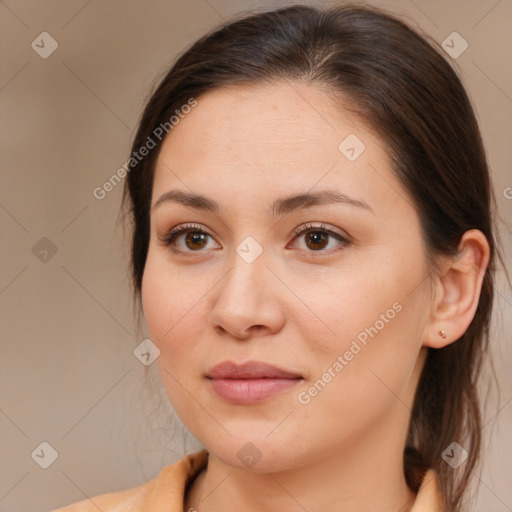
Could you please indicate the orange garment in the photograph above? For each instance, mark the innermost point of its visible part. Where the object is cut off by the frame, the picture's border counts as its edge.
(166, 492)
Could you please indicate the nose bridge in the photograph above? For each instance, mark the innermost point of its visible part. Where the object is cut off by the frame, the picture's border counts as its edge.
(248, 265)
(244, 296)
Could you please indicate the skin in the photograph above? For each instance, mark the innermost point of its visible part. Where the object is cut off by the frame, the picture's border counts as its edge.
(294, 306)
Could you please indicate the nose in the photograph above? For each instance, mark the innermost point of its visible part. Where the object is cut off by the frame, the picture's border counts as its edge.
(247, 301)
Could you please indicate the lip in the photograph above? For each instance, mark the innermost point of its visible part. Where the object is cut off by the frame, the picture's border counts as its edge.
(249, 370)
(250, 382)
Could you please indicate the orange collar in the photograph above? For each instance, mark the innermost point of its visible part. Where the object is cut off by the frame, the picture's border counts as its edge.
(166, 492)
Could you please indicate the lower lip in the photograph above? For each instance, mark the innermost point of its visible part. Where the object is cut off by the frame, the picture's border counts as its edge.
(250, 391)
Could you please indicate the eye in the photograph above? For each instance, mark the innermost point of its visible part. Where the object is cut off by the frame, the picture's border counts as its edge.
(316, 238)
(195, 239)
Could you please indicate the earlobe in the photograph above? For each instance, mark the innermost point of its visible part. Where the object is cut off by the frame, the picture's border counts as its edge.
(458, 290)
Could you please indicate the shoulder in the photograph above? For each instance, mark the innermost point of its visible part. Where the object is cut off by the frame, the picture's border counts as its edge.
(168, 488)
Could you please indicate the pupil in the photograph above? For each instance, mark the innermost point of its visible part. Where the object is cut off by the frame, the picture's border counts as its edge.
(317, 237)
(195, 238)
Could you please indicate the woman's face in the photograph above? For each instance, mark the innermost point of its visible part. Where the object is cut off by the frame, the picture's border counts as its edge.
(343, 306)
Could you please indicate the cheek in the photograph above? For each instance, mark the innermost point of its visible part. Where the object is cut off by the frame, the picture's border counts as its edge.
(359, 306)
(169, 307)
(173, 326)
(370, 350)
(364, 376)
(154, 300)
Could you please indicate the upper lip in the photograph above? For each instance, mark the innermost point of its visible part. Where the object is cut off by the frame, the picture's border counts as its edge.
(249, 370)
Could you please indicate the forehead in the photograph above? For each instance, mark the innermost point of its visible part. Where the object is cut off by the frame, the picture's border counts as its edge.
(266, 139)
(262, 121)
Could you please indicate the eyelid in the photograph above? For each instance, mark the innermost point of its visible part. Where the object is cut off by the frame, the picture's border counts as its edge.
(322, 227)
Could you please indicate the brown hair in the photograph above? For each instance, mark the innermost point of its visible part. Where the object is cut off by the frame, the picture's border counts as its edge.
(403, 88)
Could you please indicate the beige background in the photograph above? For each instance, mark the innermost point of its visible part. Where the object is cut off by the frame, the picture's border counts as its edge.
(68, 374)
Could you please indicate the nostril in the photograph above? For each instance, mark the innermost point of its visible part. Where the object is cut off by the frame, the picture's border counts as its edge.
(219, 330)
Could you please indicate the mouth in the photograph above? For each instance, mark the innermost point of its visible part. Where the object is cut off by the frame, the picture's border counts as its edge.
(251, 382)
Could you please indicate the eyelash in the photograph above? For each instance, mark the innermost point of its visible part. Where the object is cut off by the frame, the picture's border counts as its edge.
(168, 238)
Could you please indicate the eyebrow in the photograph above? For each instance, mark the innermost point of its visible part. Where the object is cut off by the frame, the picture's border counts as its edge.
(280, 206)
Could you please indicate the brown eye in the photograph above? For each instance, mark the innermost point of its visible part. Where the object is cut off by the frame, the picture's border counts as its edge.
(189, 238)
(195, 240)
(316, 238)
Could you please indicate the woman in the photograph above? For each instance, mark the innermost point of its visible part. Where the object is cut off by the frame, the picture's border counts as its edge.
(313, 249)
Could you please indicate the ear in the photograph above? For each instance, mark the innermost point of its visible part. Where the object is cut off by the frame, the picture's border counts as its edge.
(457, 290)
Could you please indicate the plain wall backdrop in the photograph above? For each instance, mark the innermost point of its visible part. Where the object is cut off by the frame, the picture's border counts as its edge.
(68, 374)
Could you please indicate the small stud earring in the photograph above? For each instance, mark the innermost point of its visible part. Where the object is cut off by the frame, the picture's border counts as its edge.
(442, 334)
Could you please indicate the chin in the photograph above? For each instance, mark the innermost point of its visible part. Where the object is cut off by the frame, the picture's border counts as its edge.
(258, 455)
